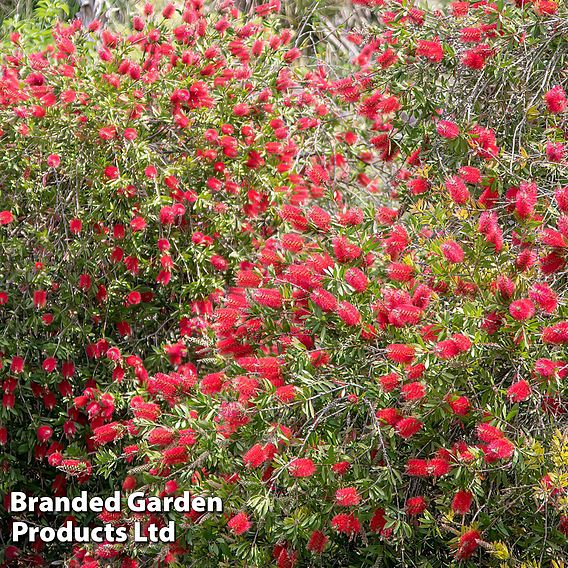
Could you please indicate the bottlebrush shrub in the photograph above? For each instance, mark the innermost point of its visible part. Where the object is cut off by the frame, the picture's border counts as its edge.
(390, 382)
(140, 171)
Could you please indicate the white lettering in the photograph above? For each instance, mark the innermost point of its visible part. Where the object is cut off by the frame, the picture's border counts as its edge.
(19, 529)
(136, 502)
(18, 502)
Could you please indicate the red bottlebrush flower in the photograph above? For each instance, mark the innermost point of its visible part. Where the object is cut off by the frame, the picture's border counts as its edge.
(488, 433)
(212, 383)
(400, 272)
(415, 506)
(17, 365)
(325, 300)
(356, 279)
(255, 457)
(107, 433)
(526, 199)
(239, 523)
(400, 353)
(555, 152)
(525, 260)
(407, 427)
(44, 433)
(6, 217)
(519, 391)
(483, 140)
(286, 393)
(146, 410)
(447, 349)
(3, 436)
(347, 497)
(340, 468)
(269, 368)
(285, 558)
(453, 252)
(268, 297)
(476, 57)
(389, 415)
(53, 161)
(556, 100)
(417, 467)
(129, 483)
(219, 263)
(187, 437)
(415, 371)
(107, 133)
(544, 296)
(387, 58)
(545, 368)
(552, 263)
(300, 275)
(8, 400)
(397, 241)
(418, 186)
(111, 172)
(546, 7)
(248, 279)
(463, 342)
(40, 298)
(160, 437)
(460, 405)
(167, 216)
(413, 391)
(292, 54)
(301, 467)
(553, 238)
(319, 358)
(294, 216)
(421, 296)
(505, 286)
(130, 134)
(500, 449)
(292, 242)
(432, 50)
(448, 129)
(470, 35)
(138, 224)
(469, 174)
(168, 11)
(124, 328)
(175, 455)
(344, 250)
(468, 544)
(349, 313)
(389, 105)
(561, 196)
(134, 298)
(438, 467)
(49, 364)
(378, 521)
(318, 541)
(461, 503)
(389, 382)
(346, 523)
(457, 189)
(320, 218)
(522, 310)
(84, 282)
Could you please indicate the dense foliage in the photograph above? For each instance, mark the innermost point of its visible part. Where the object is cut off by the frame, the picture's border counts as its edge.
(377, 370)
(139, 172)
